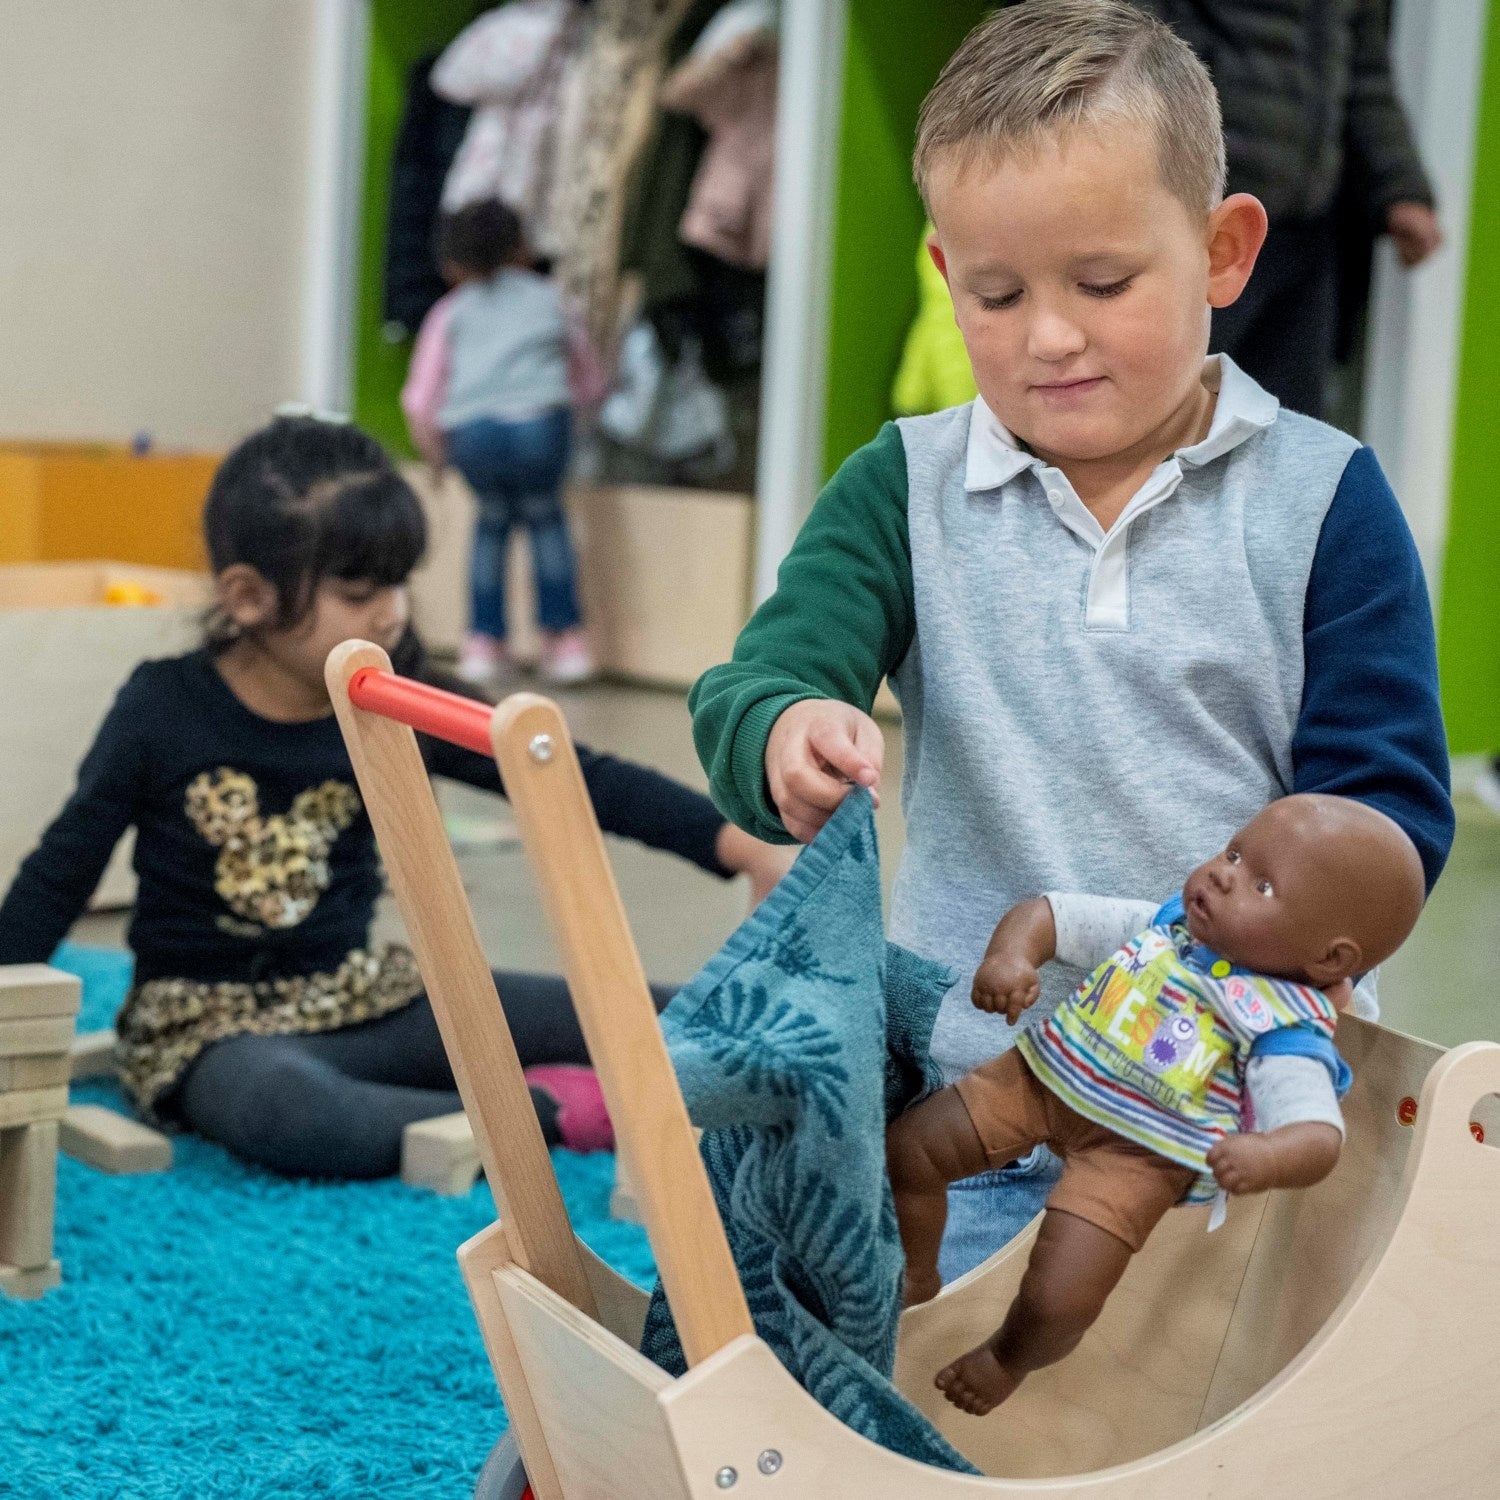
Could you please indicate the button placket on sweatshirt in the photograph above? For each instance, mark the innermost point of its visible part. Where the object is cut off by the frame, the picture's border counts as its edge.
(1107, 606)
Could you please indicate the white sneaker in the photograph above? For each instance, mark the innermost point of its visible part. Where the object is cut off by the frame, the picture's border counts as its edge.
(483, 658)
(1487, 786)
(566, 658)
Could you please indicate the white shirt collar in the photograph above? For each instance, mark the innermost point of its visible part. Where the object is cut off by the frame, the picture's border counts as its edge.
(1243, 409)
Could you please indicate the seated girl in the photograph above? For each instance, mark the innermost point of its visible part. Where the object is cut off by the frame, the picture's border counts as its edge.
(261, 1016)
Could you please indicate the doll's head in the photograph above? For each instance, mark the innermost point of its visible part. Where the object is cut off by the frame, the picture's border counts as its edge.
(1315, 889)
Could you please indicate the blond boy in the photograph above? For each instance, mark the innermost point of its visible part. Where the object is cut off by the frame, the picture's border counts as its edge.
(1124, 599)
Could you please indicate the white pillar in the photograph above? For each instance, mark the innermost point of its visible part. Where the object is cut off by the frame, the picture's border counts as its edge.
(1416, 317)
(799, 287)
(335, 189)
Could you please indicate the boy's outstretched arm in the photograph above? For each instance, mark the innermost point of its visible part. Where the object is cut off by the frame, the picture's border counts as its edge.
(841, 619)
(1371, 725)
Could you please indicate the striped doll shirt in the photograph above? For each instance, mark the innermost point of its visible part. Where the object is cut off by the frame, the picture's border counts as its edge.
(1154, 1043)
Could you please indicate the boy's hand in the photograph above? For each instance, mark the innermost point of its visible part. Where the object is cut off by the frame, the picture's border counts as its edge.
(1007, 983)
(765, 864)
(1415, 230)
(819, 748)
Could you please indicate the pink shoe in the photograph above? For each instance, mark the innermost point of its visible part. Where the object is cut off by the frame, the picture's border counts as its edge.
(483, 658)
(566, 658)
(582, 1119)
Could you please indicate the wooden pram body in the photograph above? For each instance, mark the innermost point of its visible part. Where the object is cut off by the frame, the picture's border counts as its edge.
(1343, 1341)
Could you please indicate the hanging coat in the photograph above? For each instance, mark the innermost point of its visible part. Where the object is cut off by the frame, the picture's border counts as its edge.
(509, 65)
(728, 81)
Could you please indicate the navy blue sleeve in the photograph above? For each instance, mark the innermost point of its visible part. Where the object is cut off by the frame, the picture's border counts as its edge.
(1371, 726)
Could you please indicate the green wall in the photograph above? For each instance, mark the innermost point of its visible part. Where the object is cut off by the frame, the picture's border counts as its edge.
(895, 52)
(401, 31)
(1469, 624)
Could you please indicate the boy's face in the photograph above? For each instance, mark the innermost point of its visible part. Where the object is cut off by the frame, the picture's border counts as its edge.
(1081, 287)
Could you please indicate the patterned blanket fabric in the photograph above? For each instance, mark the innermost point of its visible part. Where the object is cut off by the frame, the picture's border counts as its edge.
(794, 1046)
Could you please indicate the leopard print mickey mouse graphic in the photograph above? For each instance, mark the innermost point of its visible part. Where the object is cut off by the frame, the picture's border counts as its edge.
(271, 867)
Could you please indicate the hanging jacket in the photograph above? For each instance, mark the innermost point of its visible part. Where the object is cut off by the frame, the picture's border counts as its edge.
(1307, 91)
(728, 81)
(509, 65)
(428, 138)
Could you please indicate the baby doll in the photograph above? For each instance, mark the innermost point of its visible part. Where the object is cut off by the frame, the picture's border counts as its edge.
(1228, 998)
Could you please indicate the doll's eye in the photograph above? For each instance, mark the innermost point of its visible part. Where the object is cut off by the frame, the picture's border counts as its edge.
(1232, 855)
(1265, 887)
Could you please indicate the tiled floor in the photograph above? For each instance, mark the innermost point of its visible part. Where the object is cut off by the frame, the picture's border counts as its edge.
(1444, 985)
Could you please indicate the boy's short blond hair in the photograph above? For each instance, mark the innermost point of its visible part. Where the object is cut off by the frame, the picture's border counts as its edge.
(1048, 65)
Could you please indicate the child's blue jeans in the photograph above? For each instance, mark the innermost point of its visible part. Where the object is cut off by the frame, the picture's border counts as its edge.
(988, 1211)
(516, 471)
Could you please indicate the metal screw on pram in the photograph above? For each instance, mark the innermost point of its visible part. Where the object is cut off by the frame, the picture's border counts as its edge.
(769, 1462)
(727, 1478)
(540, 749)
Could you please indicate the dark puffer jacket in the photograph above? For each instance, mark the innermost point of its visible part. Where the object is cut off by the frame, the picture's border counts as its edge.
(1307, 91)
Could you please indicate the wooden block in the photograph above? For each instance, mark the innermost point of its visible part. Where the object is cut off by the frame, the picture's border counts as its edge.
(112, 1143)
(16, 1282)
(30, 990)
(41, 1034)
(440, 1154)
(41, 1071)
(27, 1105)
(28, 1194)
(92, 1055)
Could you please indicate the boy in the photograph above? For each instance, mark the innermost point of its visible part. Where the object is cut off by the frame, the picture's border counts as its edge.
(1124, 600)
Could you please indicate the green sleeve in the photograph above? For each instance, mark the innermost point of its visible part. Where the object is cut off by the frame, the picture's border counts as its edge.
(841, 619)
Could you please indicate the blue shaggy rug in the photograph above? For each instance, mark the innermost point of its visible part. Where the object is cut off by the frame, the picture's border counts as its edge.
(222, 1332)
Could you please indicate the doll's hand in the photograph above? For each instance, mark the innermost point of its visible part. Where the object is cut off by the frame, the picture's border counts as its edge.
(1291, 1156)
(1241, 1164)
(817, 750)
(765, 864)
(1006, 983)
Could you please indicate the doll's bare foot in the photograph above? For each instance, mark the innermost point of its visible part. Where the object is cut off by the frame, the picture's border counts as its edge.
(977, 1382)
(1243, 1164)
(921, 1286)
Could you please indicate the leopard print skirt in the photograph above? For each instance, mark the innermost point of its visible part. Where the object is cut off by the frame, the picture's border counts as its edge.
(166, 1023)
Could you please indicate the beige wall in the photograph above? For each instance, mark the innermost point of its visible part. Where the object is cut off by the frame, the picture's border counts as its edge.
(153, 168)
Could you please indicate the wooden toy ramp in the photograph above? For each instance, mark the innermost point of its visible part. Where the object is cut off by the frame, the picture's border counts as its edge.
(1338, 1342)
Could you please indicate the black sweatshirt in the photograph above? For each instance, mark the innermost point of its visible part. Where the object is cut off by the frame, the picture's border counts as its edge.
(254, 854)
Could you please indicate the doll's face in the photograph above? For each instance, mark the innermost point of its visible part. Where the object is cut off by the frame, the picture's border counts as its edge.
(1242, 902)
(1316, 888)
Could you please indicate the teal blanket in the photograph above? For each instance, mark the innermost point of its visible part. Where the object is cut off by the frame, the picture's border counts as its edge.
(794, 1046)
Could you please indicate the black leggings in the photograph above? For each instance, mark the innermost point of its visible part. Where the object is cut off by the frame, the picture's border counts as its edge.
(334, 1103)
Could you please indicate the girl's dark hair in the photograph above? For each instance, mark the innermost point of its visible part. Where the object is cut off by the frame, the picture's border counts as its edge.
(480, 237)
(303, 500)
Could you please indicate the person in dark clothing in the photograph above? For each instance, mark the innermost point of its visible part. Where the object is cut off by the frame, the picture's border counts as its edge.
(260, 1016)
(1307, 96)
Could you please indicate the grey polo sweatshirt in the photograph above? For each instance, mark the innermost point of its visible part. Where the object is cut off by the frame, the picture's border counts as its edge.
(1088, 710)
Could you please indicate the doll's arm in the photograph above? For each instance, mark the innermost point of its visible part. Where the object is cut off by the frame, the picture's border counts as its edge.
(1007, 980)
(1091, 928)
(1299, 1128)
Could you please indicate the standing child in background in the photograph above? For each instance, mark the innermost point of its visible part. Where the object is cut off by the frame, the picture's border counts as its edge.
(261, 1016)
(1125, 599)
(494, 376)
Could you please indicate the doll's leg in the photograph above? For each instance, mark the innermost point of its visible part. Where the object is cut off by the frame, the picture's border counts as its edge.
(991, 1116)
(1112, 1194)
(1074, 1266)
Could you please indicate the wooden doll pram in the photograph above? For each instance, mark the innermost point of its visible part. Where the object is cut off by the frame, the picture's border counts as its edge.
(1343, 1341)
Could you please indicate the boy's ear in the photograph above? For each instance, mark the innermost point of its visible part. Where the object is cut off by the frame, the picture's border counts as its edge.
(1343, 960)
(246, 596)
(1236, 231)
(940, 260)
